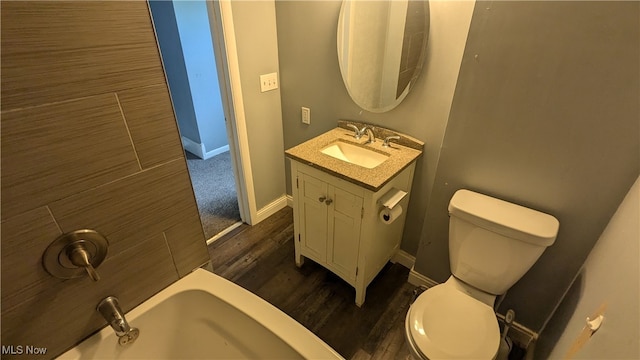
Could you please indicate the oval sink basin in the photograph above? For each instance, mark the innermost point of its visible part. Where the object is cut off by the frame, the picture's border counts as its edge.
(354, 154)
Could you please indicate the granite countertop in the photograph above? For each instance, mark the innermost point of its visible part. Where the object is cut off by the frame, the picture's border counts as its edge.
(400, 156)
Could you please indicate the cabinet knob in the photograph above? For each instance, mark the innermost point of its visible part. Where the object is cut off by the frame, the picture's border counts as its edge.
(328, 201)
(322, 198)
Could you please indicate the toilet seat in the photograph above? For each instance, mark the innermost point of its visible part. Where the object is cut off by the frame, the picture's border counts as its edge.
(446, 323)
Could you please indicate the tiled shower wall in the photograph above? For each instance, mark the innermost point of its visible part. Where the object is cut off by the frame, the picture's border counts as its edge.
(88, 140)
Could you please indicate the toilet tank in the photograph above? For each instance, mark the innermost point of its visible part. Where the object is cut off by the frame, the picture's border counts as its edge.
(493, 243)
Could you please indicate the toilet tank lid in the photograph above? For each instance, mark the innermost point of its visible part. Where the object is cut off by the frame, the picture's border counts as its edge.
(503, 217)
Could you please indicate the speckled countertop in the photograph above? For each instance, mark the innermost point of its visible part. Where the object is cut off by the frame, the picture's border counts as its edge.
(400, 156)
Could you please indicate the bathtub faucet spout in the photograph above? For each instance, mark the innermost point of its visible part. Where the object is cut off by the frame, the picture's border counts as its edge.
(110, 310)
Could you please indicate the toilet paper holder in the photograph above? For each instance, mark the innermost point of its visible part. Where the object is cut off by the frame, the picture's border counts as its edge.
(392, 198)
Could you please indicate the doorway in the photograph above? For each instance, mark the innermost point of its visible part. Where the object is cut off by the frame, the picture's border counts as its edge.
(185, 42)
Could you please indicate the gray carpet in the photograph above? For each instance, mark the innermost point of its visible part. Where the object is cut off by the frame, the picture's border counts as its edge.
(215, 190)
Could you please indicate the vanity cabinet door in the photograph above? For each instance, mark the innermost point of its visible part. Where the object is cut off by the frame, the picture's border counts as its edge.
(313, 217)
(344, 220)
(329, 220)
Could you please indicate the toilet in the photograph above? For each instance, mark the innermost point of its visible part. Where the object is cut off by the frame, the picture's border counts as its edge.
(492, 244)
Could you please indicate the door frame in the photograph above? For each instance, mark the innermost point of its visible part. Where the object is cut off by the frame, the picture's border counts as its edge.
(226, 54)
(228, 69)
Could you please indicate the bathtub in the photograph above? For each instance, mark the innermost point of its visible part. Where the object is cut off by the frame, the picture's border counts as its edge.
(204, 316)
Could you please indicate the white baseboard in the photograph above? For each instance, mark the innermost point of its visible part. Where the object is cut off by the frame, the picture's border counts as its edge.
(193, 147)
(199, 150)
(290, 201)
(214, 152)
(271, 208)
(403, 258)
(417, 279)
(519, 334)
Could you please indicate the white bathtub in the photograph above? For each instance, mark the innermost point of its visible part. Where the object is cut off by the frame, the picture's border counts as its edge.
(204, 316)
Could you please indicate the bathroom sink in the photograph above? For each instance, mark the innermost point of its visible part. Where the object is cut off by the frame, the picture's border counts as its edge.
(354, 154)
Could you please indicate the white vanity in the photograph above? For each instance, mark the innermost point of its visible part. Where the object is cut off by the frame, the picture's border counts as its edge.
(348, 215)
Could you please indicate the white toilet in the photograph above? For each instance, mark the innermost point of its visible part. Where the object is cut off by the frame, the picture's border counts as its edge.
(492, 244)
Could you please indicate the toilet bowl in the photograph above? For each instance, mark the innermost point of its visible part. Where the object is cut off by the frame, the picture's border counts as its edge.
(446, 322)
(492, 244)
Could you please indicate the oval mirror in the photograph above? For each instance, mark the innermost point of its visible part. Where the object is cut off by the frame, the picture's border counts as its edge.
(381, 47)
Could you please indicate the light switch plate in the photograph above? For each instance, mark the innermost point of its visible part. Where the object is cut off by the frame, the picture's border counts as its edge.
(306, 115)
(268, 82)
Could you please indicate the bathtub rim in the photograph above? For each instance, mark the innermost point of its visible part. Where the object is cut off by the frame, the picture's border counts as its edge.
(299, 338)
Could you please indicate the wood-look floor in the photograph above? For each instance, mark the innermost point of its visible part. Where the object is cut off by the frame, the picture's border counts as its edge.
(261, 259)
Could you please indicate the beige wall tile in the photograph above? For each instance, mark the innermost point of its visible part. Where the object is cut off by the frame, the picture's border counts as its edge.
(54, 51)
(152, 124)
(146, 203)
(63, 314)
(52, 151)
(24, 239)
(187, 247)
(73, 24)
(71, 161)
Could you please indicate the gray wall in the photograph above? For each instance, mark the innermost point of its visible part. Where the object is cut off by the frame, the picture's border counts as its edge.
(197, 47)
(615, 255)
(184, 37)
(164, 21)
(257, 45)
(310, 77)
(545, 114)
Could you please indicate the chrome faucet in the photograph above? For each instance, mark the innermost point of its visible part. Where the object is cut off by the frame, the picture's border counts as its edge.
(387, 140)
(357, 133)
(372, 137)
(110, 310)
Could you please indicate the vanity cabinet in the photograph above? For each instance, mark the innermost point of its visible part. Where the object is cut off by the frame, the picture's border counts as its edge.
(330, 219)
(337, 224)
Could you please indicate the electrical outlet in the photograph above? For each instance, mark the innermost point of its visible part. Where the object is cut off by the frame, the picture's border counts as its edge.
(306, 115)
(268, 82)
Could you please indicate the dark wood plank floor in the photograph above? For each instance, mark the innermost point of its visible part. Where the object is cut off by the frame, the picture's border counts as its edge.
(261, 259)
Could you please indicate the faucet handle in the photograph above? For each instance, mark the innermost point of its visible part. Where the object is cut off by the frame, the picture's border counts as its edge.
(357, 132)
(387, 140)
(80, 257)
(73, 254)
